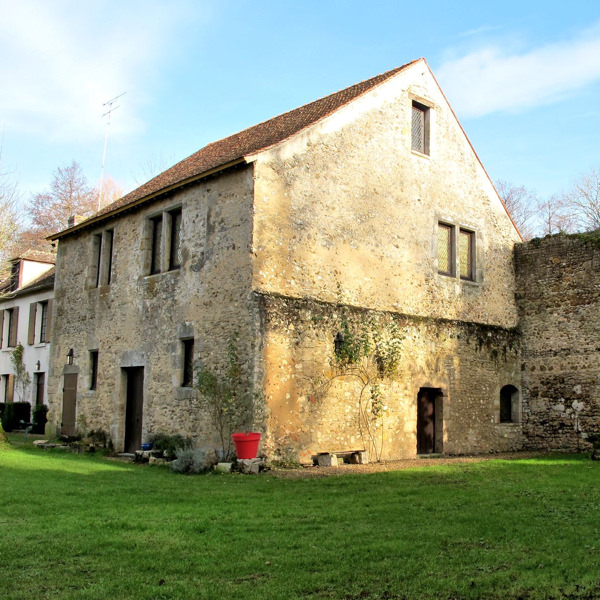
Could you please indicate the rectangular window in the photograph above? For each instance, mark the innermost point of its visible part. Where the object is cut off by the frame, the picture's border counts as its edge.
(13, 319)
(93, 369)
(465, 252)
(445, 249)
(165, 239)
(188, 363)
(97, 241)
(107, 256)
(44, 324)
(155, 262)
(175, 250)
(420, 127)
(102, 250)
(40, 384)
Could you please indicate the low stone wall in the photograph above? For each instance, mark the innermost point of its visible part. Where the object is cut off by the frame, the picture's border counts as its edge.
(558, 283)
(315, 406)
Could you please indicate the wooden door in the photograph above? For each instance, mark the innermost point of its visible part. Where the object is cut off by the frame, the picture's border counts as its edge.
(134, 408)
(69, 408)
(426, 421)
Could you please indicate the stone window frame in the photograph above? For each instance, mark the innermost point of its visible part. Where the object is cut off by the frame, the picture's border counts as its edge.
(420, 118)
(93, 356)
(457, 232)
(101, 261)
(187, 370)
(509, 403)
(164, 242)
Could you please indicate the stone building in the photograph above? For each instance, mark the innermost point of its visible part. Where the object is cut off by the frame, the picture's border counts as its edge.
(365, 215)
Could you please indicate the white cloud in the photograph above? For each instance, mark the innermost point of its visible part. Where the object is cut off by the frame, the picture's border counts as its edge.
(61, 60)
(493, 79)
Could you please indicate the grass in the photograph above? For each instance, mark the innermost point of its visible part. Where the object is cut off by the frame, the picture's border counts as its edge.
(81, 527)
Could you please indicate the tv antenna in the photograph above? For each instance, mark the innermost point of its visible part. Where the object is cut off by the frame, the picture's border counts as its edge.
(107, 114)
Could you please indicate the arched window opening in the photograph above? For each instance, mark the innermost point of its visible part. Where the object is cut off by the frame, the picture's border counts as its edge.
(509, 404)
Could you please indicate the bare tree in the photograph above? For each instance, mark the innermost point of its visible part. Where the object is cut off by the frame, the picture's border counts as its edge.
(69, 195)
(111, 191)
(583, 199)
(556, 215)
(522, 205)
(11, 215)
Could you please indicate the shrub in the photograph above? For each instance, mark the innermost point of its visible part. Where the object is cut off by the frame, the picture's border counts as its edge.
(169, 444)
(98, 437)
(40, 418)
(192, 461)
(15, 415)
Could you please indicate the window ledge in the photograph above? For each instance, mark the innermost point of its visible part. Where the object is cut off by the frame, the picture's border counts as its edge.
(470, 283)
(421, 154)
(171, 272)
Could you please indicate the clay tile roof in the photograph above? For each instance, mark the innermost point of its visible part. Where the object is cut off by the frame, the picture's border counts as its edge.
(235, 147)
(36, 256)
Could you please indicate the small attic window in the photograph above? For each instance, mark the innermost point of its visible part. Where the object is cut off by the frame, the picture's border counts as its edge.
(420, 127)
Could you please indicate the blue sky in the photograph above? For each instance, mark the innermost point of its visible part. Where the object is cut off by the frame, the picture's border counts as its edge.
(523, 77)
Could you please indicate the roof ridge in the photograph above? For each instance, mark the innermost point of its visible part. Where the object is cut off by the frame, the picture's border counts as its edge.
(387, 75)
(233, 148)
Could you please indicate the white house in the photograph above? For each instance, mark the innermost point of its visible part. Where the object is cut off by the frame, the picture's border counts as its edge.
(26, 318)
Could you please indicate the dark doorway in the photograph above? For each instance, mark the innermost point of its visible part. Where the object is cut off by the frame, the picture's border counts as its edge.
(134, 408)
(429, 422)
(69, 408)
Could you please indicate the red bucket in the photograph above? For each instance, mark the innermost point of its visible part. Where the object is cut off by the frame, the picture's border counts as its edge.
(246, 444)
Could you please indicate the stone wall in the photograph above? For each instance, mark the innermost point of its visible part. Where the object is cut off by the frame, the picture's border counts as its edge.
(140, 320)
(558, 282)
(347, 205)
(314, 409)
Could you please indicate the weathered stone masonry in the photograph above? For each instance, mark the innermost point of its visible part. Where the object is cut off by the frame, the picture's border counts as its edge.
(558, 293)
(325, 209)
(468, 362)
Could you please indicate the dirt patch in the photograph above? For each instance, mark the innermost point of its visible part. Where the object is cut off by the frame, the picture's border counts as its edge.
(397, 465)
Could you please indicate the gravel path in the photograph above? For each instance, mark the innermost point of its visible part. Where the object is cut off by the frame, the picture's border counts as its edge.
(397, 465)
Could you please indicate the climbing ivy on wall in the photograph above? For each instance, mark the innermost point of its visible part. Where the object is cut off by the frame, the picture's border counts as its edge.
(368, 350)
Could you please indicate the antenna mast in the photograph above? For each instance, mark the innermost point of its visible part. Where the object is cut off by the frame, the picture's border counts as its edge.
(107, 114)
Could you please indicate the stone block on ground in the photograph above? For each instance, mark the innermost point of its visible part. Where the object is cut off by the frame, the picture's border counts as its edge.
(250, 466)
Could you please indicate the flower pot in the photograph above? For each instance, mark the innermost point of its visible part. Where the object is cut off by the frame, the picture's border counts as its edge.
(246, 444)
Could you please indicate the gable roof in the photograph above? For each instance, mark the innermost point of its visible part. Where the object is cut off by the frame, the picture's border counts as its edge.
(232, 150)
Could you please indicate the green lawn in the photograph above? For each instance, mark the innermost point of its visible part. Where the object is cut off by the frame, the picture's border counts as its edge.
(80, 527)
